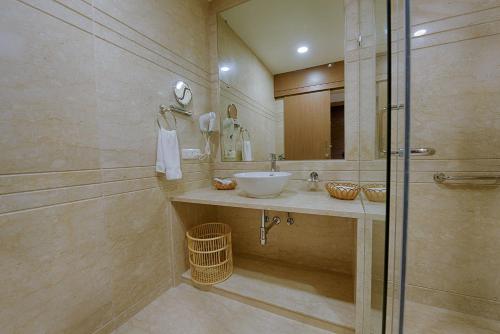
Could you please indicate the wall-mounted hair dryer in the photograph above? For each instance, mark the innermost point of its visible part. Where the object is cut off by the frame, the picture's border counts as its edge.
(207, 122)
(207, 126)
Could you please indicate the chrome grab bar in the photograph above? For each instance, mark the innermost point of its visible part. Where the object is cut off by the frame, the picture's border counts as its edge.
(442, 177)
(419, 152)
(422, 151)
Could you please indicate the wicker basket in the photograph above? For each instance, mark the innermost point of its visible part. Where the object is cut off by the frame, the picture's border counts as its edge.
(210, 254)
(375, 192)
(345, 191)
(224, 186)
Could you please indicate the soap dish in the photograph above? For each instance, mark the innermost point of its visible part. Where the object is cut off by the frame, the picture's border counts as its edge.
(375, 192)
(224, 184)
(344, 191)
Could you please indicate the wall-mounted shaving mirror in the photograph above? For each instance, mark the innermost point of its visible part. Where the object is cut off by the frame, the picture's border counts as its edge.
(281, 64)
(183, 93)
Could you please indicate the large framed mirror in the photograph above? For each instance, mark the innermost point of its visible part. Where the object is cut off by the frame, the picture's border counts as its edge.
(281, 66)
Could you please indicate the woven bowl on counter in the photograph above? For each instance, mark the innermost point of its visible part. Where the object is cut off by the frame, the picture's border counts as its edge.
(375, 192)
(344, 191)
(223, 185)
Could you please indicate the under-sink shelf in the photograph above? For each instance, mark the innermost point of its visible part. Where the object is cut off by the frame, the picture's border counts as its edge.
(321, 298)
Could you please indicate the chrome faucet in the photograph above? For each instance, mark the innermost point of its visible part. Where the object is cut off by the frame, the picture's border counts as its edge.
(273, 159)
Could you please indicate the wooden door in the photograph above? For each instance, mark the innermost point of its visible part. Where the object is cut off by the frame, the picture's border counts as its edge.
(307, 126)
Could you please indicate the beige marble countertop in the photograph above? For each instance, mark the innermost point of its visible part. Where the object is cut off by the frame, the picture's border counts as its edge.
(309, 202)
(374, 210)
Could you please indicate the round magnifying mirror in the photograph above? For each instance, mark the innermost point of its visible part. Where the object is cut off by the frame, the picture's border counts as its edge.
(182, 93)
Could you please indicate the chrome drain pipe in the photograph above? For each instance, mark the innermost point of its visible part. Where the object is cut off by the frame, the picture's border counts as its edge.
(266, 225)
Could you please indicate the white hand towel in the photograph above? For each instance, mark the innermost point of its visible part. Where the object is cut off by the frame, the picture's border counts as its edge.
(168, 160)
(247, 150)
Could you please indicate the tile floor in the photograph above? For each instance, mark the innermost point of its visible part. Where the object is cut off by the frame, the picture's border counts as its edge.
(186, 310)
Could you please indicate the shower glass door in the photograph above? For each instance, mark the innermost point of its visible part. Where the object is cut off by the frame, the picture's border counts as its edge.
(444, 275)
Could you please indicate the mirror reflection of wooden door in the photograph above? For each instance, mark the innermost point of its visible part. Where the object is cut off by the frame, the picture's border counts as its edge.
(307, 126)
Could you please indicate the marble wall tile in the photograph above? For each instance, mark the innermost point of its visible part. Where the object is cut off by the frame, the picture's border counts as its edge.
(457, 119)
(56, 269)
(484, 308)
(461, 225)
(40, 198)
(48, 119)
(428, 10)
(13, 183)
(185, 22)
(322, 242)
(128, 106)
(140, 242)
(78, 122)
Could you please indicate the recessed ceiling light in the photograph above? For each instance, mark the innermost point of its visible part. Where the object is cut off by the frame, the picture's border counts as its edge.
(420, 32)
(302, 49)
(224, 69)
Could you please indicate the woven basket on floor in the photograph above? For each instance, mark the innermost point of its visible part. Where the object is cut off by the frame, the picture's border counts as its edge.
(210, 254)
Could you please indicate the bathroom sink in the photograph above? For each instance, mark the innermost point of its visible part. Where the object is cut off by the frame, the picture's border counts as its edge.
(262, 184)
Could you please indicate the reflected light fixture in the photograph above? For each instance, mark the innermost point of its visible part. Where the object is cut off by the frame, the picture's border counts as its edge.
(224, 69)
(419, 33)
(302, 49)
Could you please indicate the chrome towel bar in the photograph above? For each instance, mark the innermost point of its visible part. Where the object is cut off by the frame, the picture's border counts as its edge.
(442, 177)
(171, 108)
(419, 152)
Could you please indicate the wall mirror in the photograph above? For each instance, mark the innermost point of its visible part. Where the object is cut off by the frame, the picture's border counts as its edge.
(281, 64)
(182, 92)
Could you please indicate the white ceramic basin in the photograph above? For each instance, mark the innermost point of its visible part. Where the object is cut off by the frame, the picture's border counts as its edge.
(262, 184)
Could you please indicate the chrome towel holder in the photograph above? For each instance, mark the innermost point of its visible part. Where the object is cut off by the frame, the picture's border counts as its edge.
(442, 178)
(172, 108)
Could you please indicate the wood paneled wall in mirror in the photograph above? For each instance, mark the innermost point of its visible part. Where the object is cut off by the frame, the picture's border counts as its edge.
(281, 63)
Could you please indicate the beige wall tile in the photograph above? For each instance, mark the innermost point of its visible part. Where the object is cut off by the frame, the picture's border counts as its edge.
(66, 143)
(456, 119)
(453, 239)
(128, 106)
(48, 118)
(140, 245)
(185, 22)
(428, 10)
(14, 183)
(315, 241)
(454, 301)
(55, 274)
(35, 199)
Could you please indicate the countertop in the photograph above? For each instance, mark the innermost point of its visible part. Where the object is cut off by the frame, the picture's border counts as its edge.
(309, 202)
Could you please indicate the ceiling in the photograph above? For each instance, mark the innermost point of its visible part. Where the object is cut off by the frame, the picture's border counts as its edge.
(274, 29)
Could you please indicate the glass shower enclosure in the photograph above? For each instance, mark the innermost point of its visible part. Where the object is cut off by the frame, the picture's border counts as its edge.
(442, 265)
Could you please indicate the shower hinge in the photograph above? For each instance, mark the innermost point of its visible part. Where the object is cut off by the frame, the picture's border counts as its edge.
(359, 40)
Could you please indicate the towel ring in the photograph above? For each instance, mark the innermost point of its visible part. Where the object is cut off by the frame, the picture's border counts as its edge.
(163, 111)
